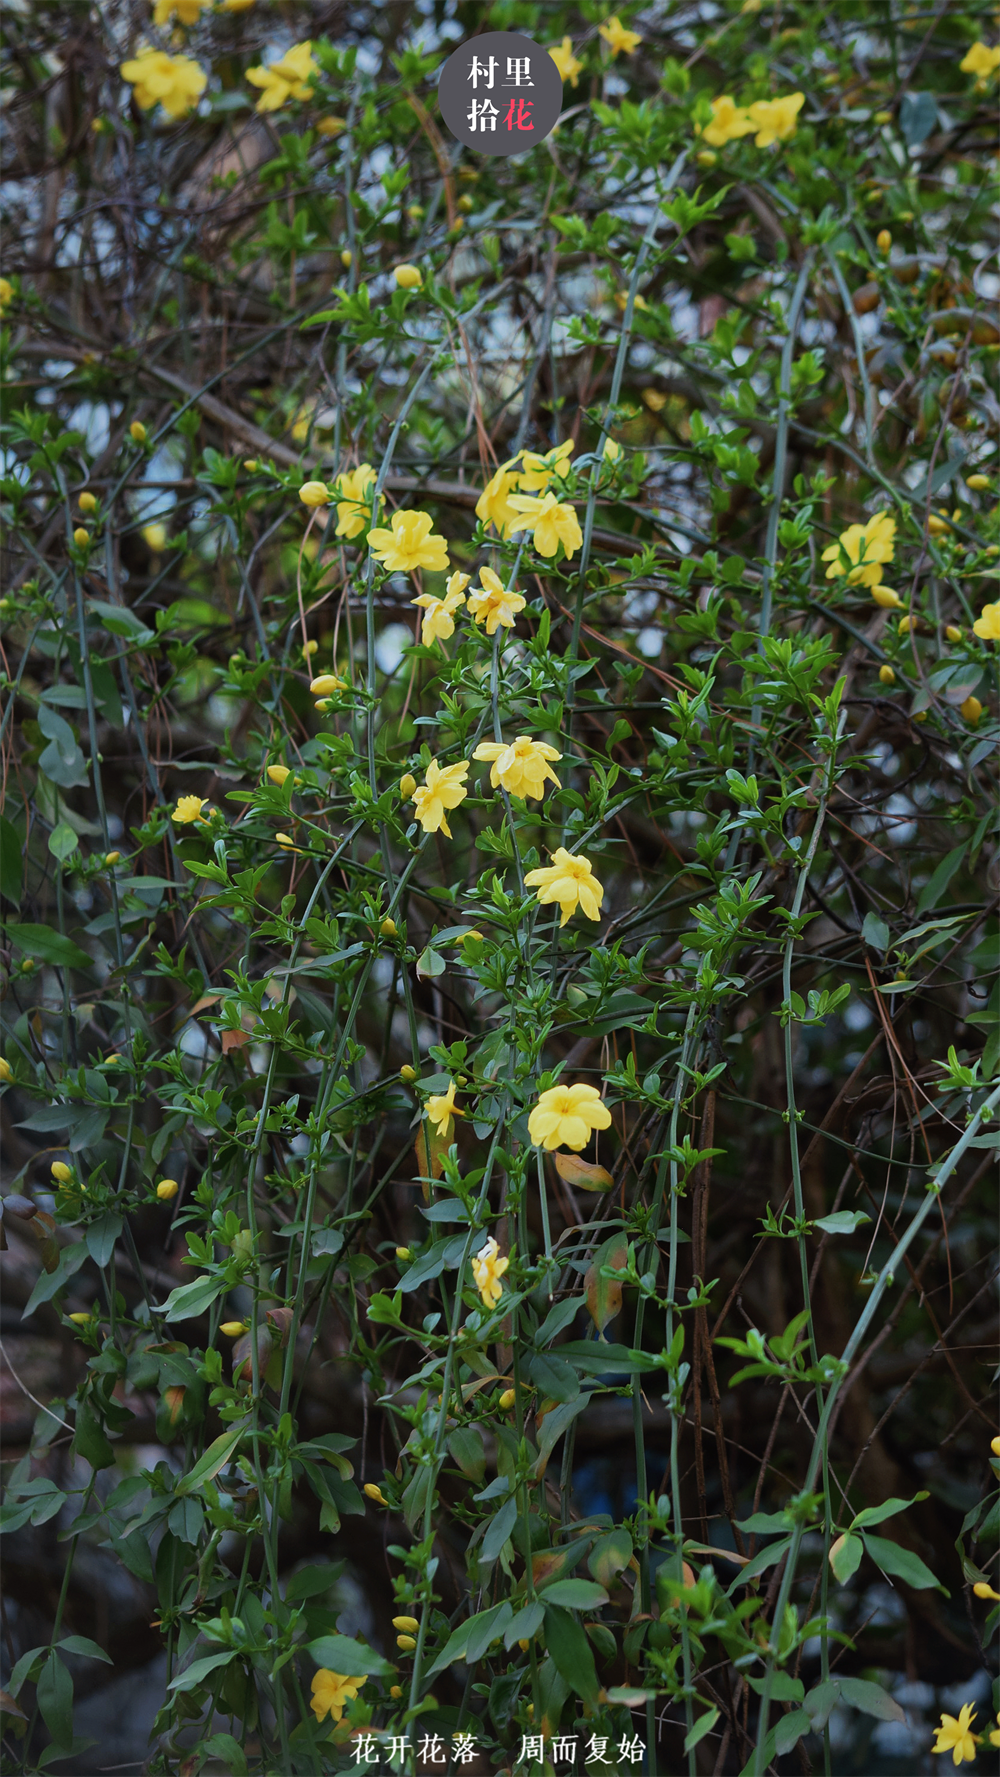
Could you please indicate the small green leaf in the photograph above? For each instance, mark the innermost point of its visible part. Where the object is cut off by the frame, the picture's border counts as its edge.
(702, 1726)
(342, 1654)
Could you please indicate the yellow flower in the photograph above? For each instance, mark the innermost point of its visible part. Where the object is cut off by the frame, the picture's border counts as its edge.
(729, 122)
(409, 1625)
(982, 1590)
(188, 810)
(569, 68)
(538, 471)
(775, 119)
(492, 601)
(621, 301)
(353, 504)
(549, 522)
(442, 1111)
(860, 551)
(175, 82)
(6, 294)
(286, 79)
(331, 126)
(277, 774)
(980, 60)
(375, 1493)
(612, 450)
(887, 598)
(493, 505)
(487, 1269)
(956, 1736)
(166, 1189)
(654, 399)
(314, 493)
(565, 1116)
(411, 543)
(154, 536)
(987, 624)
(442, 790)
(994, 1735)
(61, 1172)
(233, 1328)
(971, 709)
(6, 1072)
(330, 1691)
(521, 766)
(186, 12)
(617, 38)
(439, 619)
(570, 880)
(408, 277)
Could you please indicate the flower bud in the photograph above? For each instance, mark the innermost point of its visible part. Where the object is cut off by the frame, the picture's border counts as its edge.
(233, 1328)
(407, 1073)
(138, 432)
(971, 709)
(372, 1492)
(953, 633)
(346, 258)
(407, 785)
(405, 1643)
(277, 774)
(408, 277)
(81, 537)
(886, 597)
(403, 1254)
(408, 1624)
(87, 503)
(251, 465)
(388, 928)
(887, 675)
(166, 1189)
(507, 1400)
(395, 1690)
(977, 482)
(326, 683)
(314, 493)
(883, 240)
(113, 857)
(61, 1172)
(905, 625)
(6, 1072)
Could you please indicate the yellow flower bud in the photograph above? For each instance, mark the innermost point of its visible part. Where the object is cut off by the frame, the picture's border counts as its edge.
(883, 117)
(408, 277)
(408, 1624)
(138, 432)
(81, 537)
(372, 1492)
(953, 633)
(80, 1319)
(309, 649)
(522, 1643)
(331, 126)
(978, 482)
(403, 1254)
(883, 240)
(314, 493)
(887, 675)
(983, 1590)
(905, 625)
(286, 840)
(166, 1189)
(465, 203)
(407, 785)
(251, 465)
(937, 526)
(886, 597)
(87, 503)
(405, 1643)
(971, 709)
(706, 158)
(920, 716)
(395, 1690)
(326, 683)
(61, 1172)
(233, 1328)
(388, 928)
(6, 1072)
(277, 774)
(415, 212)
(407, 1072)
(113, 857)
(346, 258)
(507, 1400)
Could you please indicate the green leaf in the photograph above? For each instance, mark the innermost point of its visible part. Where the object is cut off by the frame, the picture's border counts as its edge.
(821, 1702)
(228, 1751)
(604, 1294)
(90, 1441)
(50, 1282)
(575, 1594)
(610, 1556)
(570, 1650)
(888, 1509)
(845, 1557)
(191, 1299)
(789, 1729)
(784, 1688)
(199, 1670)
(931, 893)
(11, 861)
(55, 1700)
(100, 1236)
(875, 932)
(63, 841)
(842, 1221)
(894, 1559)
(499, 1531)
(467, 1450)
(82, 1644)
(312, 1580)
(214, 1459)
(341, 1654)
(702, 1726)
(48, 946)
(870, 1698)
(525, 1624)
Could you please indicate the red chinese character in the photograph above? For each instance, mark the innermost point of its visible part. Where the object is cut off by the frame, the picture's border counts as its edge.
(521, 121)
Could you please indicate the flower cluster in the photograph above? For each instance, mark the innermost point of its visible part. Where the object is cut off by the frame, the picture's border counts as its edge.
(767, 120)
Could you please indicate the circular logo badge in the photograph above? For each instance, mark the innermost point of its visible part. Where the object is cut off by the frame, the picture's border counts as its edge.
(500, 93)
